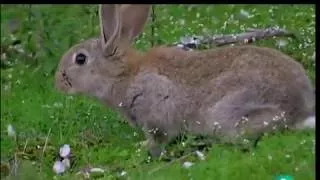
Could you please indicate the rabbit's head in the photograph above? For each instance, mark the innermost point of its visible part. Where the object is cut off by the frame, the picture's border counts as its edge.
(93, 66)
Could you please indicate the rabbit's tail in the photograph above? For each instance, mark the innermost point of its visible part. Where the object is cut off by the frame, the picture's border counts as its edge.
(308, 123)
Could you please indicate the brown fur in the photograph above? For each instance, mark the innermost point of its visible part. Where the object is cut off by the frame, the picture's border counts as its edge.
(226, 92)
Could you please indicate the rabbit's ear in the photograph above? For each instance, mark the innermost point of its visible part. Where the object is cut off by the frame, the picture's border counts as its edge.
(110, 24)
(133, 18)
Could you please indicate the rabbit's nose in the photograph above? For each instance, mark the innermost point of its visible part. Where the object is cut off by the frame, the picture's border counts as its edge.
(61, 83)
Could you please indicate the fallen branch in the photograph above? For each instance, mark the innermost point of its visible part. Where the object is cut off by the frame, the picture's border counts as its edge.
(252, 35)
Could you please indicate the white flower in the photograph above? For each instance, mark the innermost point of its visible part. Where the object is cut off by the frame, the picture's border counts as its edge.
(244, 13)
(65, 150)
(123, 173)
(200, 155)
(282, 43)
(246, 141)
(11, 131)
(66, 163)
(59, 167)
(187, 164)
(58, 105)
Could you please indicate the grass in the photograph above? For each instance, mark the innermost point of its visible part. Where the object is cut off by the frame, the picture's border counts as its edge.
(98, 136)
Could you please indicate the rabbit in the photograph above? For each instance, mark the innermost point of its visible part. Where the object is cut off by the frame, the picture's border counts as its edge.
(230, 93)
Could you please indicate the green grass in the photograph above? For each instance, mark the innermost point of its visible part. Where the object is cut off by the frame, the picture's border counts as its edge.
(98, 136)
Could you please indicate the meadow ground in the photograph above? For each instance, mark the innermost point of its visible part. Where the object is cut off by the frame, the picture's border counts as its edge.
(44, 120)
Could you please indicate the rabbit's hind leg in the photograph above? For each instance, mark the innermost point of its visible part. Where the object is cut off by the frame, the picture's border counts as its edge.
(241, 117)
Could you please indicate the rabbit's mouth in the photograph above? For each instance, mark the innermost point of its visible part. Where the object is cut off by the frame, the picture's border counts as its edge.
(63, 83)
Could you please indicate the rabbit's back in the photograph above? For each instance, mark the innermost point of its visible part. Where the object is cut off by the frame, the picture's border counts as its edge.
(243, 76)
(197, 68)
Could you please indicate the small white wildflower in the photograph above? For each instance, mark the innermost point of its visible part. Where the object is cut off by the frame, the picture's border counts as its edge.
(313, 57)
(59, 167)
(43, 106)
(200, 155)
(244, 119)
(275, 118)
(216, 123)
(11, 131)
(281, 43)
(7, 87)
(303, 142)
(164, 152)
(120, 104)
(182, 21)
(148, 159)
(65, 150)
(183, 144)
(3, 56)
(269, 157)
(123, 173)
(187, 164)
(13, 38)
(198, 122)
(70, 97)
(135, 134)
(246, 141)
(58, 104)
(265, 123)
(270, 10)
(244, 13)
(19, 49)
(66, 162)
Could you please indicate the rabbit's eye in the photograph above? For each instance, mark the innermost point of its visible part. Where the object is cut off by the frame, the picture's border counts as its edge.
(80, 59)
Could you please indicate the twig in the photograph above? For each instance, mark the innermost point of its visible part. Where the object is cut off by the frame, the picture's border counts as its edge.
(44, 147)
(25, 146)
(252, 35)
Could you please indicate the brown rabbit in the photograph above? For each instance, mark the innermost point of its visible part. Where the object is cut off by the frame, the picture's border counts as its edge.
(228, 92)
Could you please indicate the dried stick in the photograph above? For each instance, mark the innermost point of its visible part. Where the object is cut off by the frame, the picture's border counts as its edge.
(250, 36)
